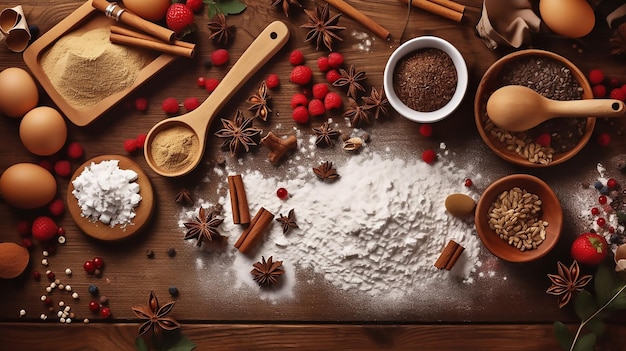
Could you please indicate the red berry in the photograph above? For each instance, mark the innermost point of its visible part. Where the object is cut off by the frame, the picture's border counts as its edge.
(130, 145)
(98, 262)
(604, 139)
(426, 130)
(332, 76)
(179, 18)
(601, 222)
(47, 165)
(63, 168)
(332, 101)
(322, 64)
(272, 81)
(611, 229)
(36, 276)
(623, 88)
(429, 156)
(75, 150)
(219, 57)
(141, 104)
(27, 243)
(282, 193)
(211, 84)
(614, 82)
(596, 76)
(301, 75)
(468, 182)
(170, 105)
(191, 103)
(595, 211)
(56, 207)
(589, 249)
(50, 275)
(141, 140)
(618, 94)
(194, 5)
(299, 99)
(23, 228)
(94, 306)
(601, 199)
(105, 312)
(44, 228)
(543, 139)
(47, 301)
(89, 266)
(611, 183)
(335, 59)
(316, 107)
(296, 57)
(300, 114)
(319, 90)
(598, 90)
(60, 231)
(200, 81)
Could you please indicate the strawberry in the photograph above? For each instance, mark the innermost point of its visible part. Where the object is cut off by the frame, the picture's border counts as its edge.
(44, 228)
(194, 5)
(179, 18)
(590, 249)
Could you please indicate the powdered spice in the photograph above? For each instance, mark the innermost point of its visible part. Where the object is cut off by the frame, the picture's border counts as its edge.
(425, 80)
(174, 148)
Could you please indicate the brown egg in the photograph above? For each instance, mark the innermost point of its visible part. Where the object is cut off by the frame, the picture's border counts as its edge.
(13, 260)
(43, 131)
(27, 186)
(460, 205)
(569, 18)
(18, 92)
(152, 10)
(620, 253)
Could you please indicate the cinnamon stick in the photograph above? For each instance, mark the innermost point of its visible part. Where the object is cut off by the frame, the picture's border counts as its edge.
(450, 4)
(437, 9)
(131, 33)
(152, 45)
(238, 200)
(361, 18)
(449, 255)
(257, 227)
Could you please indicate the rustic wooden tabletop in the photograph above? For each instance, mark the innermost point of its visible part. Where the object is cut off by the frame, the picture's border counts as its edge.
(496, 305)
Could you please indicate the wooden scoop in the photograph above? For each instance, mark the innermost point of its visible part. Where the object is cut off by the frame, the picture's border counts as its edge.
(517, 108)
(268, 43)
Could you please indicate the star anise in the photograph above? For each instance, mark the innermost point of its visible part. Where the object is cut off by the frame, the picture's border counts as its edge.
(351, 78)
(567, 282)
(377, 102)
(184, 197)
(325, 135)
(260, 102)
(617, 43)
(267, 272)
(326, 171)
(322, 28)
(357, 114)
(156, 317)
(285, 5)
(221, 32)
(239, 133)
(288, 222)
(204, 226)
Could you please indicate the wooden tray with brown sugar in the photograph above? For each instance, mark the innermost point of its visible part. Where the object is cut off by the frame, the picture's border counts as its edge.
(86, 17)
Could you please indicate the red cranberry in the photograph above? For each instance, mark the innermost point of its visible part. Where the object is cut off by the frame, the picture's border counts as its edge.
(47, 301)
(98, 262)
(468, 182)
(89, 266)
(50, 276)
(611, 183)
(60, 231)
(595, 211)
(602, 199)
(105, 312)
(36, 276)
(601, 222)
(282, 193)
(94, 306)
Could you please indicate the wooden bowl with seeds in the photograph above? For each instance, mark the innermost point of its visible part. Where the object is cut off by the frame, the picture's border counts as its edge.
(519, 218)
(553, 76)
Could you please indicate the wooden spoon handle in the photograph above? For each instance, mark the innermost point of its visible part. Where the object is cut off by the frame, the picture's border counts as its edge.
(586, 108)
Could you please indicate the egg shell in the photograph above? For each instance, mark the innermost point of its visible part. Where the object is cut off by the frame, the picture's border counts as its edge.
(13, 260)
(152, 10)
(43, 131)
(569, 18)
(460, 205)
(18, 92)
(27, 186)
(620, 253)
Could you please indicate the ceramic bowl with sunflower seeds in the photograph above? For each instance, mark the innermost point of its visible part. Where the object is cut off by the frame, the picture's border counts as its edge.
(425, 79)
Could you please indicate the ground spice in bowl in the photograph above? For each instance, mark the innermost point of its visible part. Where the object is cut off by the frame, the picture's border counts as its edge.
(425, 80)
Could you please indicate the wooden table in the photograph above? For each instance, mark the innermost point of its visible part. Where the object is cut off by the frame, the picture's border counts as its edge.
(514, 314)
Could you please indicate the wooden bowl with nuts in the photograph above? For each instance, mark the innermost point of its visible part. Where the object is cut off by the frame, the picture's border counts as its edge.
(519, 218)
(553, 76)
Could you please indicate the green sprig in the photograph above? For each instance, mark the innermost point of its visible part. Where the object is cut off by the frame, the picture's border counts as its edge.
(227, 7)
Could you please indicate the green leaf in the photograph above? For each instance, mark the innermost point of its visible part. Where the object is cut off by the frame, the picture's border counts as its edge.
(563, 335)
(231, 7)
(596, 325)
(621, 217)
(608, 286)
(584, 305)
(177, 342)
(585, 343)
(140, 344)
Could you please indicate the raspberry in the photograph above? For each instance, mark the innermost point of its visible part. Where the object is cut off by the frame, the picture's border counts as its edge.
(322, 64)
(219, 57)
(56, 207)
(296, 57)
(301, 75)
(332, 100)
(200, 81)
(543, 139)
(194, 5)
(604, 139)
(300, 114)
(170, 105)
(316, 107)
(272, 81)
(598, 90)
(299, 99)
(426, 130)
(75, 150)
(63, 168)
(335, 59)
(320, 90)
(596, 76)
(429, 156)
(141, 140)
(618, 94)
(130, 145)
(191, 103)
(44, 228)
(141, 104)
(332, 76)
(211, 84)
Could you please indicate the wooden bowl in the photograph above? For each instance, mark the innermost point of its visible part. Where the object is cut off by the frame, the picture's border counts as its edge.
(551, 212)
(489, 83)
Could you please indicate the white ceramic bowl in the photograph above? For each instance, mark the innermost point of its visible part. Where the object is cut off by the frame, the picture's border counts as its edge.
(410, 47)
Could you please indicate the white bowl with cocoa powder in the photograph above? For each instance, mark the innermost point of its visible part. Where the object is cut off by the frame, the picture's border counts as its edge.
(425, 79)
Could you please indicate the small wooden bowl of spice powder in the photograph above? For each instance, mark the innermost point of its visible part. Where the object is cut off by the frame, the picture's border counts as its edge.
(519, 218)
(553, 76)
(425, 79)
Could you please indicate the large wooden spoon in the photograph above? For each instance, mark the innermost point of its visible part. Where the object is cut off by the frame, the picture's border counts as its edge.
(196, 122)
(517, 108)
